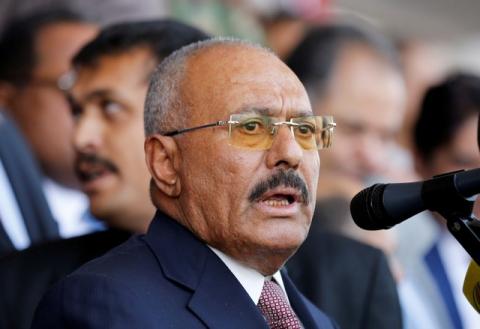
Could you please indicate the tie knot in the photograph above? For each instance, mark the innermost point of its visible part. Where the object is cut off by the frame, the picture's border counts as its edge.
(275, 308)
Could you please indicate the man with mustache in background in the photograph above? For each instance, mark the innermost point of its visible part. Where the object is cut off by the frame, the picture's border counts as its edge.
(112, 74)
(231, 145)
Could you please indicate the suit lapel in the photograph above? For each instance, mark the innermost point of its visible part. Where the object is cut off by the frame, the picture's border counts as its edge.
(298, 303)
(218, 299)
(220, 294)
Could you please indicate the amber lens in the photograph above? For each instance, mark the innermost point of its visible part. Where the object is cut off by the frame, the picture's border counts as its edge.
(305, 132)
(257, 132)
(251, 132)
(314, 132)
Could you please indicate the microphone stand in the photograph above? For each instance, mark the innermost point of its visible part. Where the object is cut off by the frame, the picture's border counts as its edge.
(466, 230)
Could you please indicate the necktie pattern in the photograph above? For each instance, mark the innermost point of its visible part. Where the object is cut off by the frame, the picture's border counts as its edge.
(275, 308)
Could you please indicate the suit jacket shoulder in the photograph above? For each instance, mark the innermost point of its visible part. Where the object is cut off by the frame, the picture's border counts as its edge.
(164, 279)
(26, 275)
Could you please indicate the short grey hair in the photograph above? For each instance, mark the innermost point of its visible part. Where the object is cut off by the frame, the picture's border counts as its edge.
(165, 109)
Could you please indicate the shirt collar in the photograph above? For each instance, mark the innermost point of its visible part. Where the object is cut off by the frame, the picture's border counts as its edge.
(250, 279)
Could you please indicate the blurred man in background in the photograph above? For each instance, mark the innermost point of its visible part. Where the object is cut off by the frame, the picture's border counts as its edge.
(35, 54)
(104, 12)
(354, 74)
(107, 97)
(445, 138)
(25, 217)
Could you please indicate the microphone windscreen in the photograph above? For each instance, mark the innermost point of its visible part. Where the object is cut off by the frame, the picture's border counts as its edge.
(471, 285)
(367, 208)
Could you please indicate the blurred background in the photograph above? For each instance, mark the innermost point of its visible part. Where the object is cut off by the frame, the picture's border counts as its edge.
(433, 37)
(450, 27)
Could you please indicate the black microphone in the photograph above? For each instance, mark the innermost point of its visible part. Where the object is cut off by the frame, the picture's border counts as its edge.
(382, 206)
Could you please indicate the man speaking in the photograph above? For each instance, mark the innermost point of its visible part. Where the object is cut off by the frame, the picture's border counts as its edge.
(232, 150)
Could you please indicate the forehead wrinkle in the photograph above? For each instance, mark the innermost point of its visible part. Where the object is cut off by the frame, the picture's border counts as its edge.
(266, 111)
(247, 77)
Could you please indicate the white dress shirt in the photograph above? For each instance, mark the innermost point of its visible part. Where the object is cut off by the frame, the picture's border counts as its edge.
(417, 236)
(10, 214)
(70, 209)
(456, 261)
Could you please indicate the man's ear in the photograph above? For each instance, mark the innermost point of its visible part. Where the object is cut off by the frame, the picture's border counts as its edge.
(163, 159)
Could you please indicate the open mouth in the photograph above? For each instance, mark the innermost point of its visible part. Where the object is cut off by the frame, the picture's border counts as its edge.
(281, 197)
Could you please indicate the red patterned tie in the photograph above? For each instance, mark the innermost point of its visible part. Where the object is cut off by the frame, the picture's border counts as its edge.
(275, 308)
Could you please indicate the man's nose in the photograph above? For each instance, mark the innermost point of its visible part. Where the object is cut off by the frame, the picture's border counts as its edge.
(88, 132)
(285, 151)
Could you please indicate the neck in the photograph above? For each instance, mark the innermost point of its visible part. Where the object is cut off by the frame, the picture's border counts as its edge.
(132, 221)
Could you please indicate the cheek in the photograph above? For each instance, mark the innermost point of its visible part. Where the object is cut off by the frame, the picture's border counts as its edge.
(229, 172)
(236, 172)
(53, 111)
(312, 172)
(53, 103)
(126, 150)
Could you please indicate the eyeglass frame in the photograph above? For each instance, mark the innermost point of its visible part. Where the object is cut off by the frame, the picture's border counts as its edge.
(221, 123)
(62, 84)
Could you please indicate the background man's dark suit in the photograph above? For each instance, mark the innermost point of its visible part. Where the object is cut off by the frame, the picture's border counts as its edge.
(25, 180)
(26, 275)
(349, 280)
(179, 283)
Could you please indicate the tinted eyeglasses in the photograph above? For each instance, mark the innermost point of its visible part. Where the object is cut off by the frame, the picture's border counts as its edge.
(257, 132)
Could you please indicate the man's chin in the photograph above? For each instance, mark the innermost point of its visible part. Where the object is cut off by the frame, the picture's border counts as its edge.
(274, 251)
(103, 208)
(270, 258)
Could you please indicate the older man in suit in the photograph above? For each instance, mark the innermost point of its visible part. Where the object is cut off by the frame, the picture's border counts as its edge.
(232, 150)
(351, 72)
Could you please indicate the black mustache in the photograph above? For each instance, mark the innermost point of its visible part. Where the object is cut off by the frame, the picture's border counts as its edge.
(287, 178)
(92, 160)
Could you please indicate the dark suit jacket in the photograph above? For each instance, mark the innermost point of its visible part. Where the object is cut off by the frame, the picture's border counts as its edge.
(26, 275)
(349, 280)
(24, 176)
(164, 279)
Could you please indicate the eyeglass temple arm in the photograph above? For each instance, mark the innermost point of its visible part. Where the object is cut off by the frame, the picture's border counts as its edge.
(330, 125)
(181, 131)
